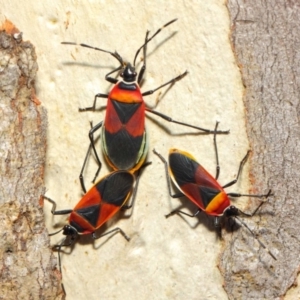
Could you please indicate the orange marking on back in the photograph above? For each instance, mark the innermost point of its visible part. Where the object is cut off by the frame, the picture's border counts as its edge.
(217, 206)
(126, 96)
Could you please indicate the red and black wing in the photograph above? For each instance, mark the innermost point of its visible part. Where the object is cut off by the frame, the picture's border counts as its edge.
(196, 183)
(102, 201)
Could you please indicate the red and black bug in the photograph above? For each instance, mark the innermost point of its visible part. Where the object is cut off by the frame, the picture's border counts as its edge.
(124, 136)
(203, 190)
(97, 206)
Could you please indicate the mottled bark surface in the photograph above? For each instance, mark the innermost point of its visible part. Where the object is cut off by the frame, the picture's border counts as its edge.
(266, 40)
(28, 268)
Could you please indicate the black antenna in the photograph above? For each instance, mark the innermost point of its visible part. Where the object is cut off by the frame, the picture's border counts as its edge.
(114, 54)
(259, 241)
(148, 40)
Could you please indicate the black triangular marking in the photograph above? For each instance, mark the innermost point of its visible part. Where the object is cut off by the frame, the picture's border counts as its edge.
(115, 188)
(125, 110)
(90, 213)
(207, 194)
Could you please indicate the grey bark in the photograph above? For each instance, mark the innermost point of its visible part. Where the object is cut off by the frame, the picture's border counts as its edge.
(266, 40)
(28, 267)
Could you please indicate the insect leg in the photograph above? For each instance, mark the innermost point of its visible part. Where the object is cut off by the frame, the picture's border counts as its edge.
(116, 230)
(239, 172)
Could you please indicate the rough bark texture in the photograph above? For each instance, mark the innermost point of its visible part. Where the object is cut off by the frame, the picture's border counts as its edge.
(26, 262)
(265, 39)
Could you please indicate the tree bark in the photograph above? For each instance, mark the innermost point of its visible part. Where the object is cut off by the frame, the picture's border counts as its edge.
(28, 267)
(265, 38)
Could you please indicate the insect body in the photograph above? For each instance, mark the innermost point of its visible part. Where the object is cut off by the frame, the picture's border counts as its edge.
(95, 208)
(203, 190)
(196, 183)
(124, 136)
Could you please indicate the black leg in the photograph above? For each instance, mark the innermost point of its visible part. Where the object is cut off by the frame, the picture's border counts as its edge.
(62, 244)
(117, 229)
(133, 197)
(112, 79)
(91, 146)
(172, 81)
(177, 211)
(178, 195)
(58, 248)
(57, 212)
(81, 179)
(218, 226)
(239, 172)
(169, 119)
(143, 69)
(92, 108)
(91, 137)
(255, 196)
(59, 264)
(216, 152)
